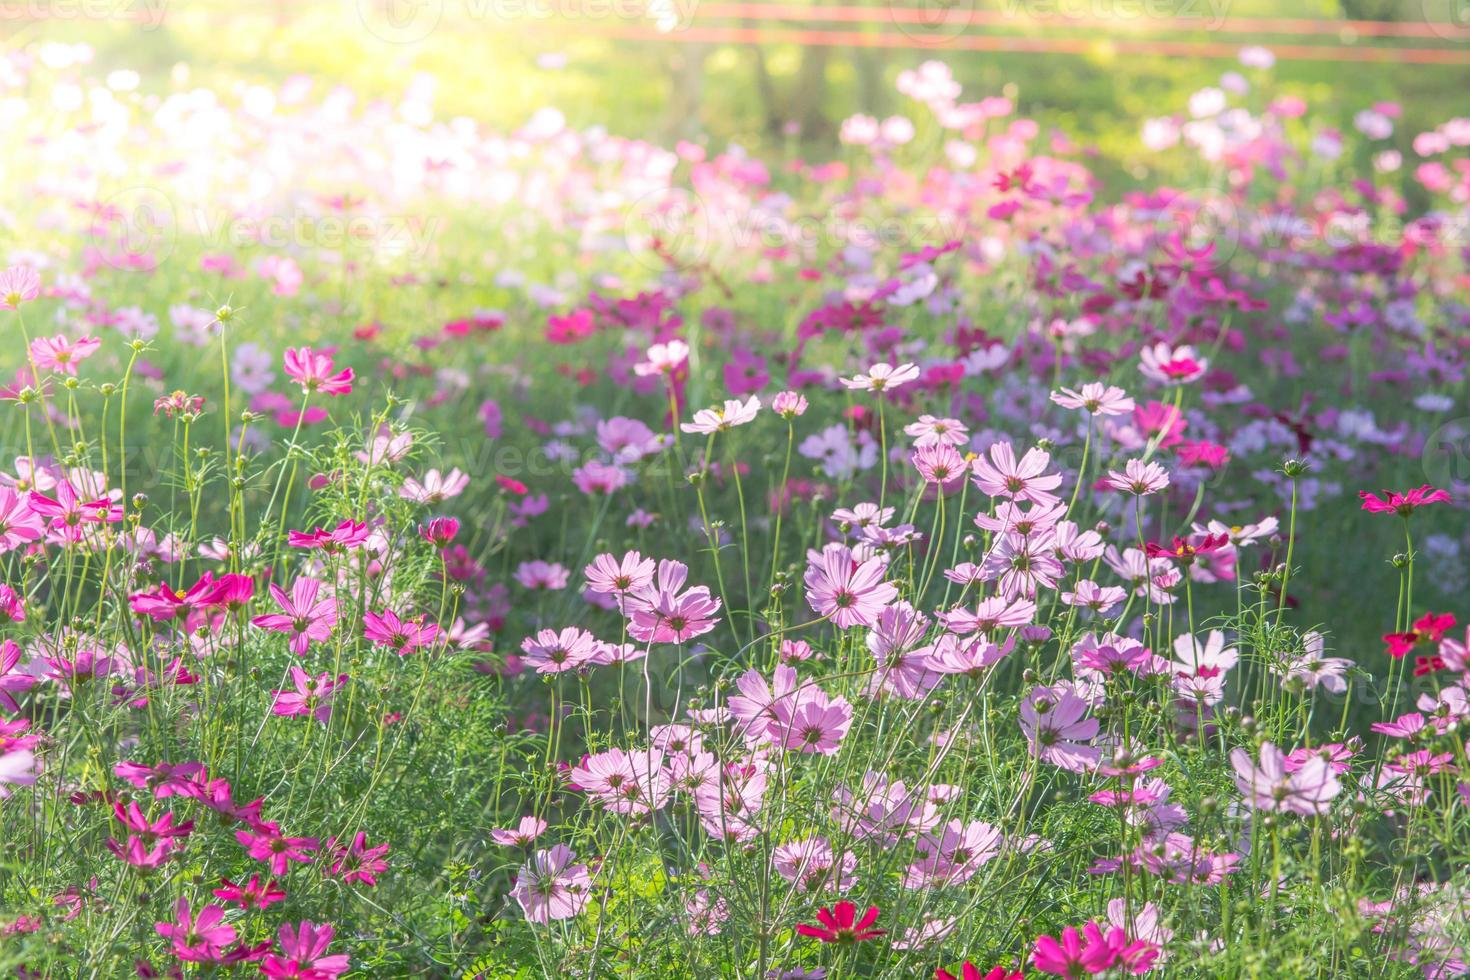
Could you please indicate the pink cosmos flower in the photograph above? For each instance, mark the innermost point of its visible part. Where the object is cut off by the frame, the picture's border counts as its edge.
(552, 652)
(896, 642)
(848, 591)
(197, 939)
(810, 722)
(662, 613)
(12, 682)
(163, 780)
(313, 372)
(811, 866)
(18, 284)
(524, 833)
(863, 515)
(1095, 399)
(1308, 791)
(62, 354)
(1171, 365)
(12, 606)
(1139, 478)
(19, 523)
(403, 636)
(548, 576)
(440, 531)
(1055, 722)
(1314, 670)
(304, 616)
(165, 603)
(1403, 503)
(69, 513)
(311, 696)
(932, 431)
(708, 421)
(626, 782)
(972, 655)
(939, 464)
(789, 405)
(1200, 669)
(663, 359)
(304, 954)
(1002, 475)
(883, 377)
(953, 855)
(550, 888)
(1089, 595)
(594, 477)
(1023, 565)
(882, 810)
(17, 768)
(434, 488)
(615, 577)
(345, 536)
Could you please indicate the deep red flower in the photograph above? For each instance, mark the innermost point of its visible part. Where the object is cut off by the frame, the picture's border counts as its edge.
(1428, 628)
(972, 972)
(840, 924)
(1184, 552)
(1404, 504)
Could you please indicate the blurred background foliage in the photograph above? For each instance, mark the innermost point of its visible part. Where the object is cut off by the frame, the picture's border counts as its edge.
(498, 61)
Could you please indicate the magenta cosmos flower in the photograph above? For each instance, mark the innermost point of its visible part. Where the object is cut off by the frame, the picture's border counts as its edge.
(19, 524)
(848, 591)
(401, 635)
(265, 842)
(550, 888)
(304, 954)
(310, 696)
(840, 924)
(313, 372)
(304, 616)
(69, 512)
(197, 939)
(1092, 951)
(1402, 503)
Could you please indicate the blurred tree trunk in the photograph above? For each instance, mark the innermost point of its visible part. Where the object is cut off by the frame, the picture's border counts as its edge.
(811, 94)
(770, 110)
(1370, 9)
(687, 81)
(871, 96)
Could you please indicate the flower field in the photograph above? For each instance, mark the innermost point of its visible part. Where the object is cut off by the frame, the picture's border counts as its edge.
(430, 551)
